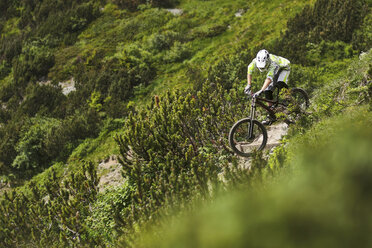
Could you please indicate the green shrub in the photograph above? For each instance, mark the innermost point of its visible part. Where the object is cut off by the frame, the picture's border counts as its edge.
(38, 142)
(328, 51)
(231, 69)
(172, 152)
(208, 31)
(327, 20)
(106, 220)
(330, 168)
(11, 46)
(31, 153)
(4, 69)
(133, 5)
(69, 18)
(10, 135)
(177, 53)
(44, 100)
(362, 38)
(163, 40)
(52, 214)
(34, 63)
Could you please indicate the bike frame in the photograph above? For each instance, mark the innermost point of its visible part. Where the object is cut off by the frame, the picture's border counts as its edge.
(259, 101)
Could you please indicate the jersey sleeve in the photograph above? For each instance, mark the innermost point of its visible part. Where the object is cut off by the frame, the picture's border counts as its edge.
(273, 69)
(251, 66)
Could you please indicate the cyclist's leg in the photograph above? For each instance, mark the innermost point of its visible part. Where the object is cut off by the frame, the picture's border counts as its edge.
(283, 79)
(280, 81)
(270, 89)
(269, 96)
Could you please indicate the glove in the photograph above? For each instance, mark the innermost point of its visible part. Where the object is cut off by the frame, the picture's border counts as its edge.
(247, 89)
(257, 93)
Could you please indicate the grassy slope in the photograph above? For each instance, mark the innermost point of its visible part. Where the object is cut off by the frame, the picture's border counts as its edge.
(107, 36)
(252, 29)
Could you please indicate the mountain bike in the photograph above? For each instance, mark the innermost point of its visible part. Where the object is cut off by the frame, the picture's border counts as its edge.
(248, 134)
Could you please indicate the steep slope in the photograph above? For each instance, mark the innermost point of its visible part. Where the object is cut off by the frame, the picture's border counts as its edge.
(171, 147)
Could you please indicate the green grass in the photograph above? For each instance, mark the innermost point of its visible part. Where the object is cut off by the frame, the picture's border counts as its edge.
(118, 28)
(11, 27)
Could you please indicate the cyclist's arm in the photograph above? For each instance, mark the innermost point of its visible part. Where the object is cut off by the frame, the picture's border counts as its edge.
(249, 79)
(266, 84)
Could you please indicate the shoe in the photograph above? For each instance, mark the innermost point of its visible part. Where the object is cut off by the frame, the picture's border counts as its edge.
(268, 121)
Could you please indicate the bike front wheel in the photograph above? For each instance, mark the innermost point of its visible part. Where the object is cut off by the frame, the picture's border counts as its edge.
(242, 142)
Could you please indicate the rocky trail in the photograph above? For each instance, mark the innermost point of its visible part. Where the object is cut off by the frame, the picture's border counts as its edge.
(274, 135)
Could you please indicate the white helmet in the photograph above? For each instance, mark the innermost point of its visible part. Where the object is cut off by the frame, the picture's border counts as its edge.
(262, 60)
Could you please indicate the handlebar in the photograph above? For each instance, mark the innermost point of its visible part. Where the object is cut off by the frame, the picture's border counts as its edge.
(250, 95)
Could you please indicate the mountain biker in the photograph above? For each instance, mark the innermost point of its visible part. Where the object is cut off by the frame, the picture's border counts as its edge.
(278, 70)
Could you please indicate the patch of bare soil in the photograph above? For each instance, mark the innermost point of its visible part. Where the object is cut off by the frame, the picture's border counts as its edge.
(109, 171)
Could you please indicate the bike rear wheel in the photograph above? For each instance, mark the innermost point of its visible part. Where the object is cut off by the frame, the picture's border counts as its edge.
(240, 141)
(296, 104)
(301, 98)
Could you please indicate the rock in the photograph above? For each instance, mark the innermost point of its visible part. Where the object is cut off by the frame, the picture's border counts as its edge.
(67, 86)
(239, 13)
(175, 12)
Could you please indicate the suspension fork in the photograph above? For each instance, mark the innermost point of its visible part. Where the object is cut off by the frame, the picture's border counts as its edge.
(253, 113)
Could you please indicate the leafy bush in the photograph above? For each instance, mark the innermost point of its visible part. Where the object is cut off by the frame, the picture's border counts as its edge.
(133, 5)
(335, 150)
(9, 136)
(230, 69)
(31, 145)
(163, 40)
(34, 63)
(162, 150)
(325, 21)
(70, 17)
(208, 31)
(362, 38)
(106, 219)
(4, 69)
(177, 53)
(11, 46)
(327, 51)
(31, 154)
(52, 214)
(45, 100)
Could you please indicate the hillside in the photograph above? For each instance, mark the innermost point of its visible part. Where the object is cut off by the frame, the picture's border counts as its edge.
(155, 87)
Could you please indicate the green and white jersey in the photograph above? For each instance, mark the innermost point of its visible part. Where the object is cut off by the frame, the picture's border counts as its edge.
(277, 63)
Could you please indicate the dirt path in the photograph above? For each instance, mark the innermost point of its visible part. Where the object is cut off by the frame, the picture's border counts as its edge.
(274, 135)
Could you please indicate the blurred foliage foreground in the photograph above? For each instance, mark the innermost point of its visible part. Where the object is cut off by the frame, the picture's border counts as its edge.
(323, 201)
